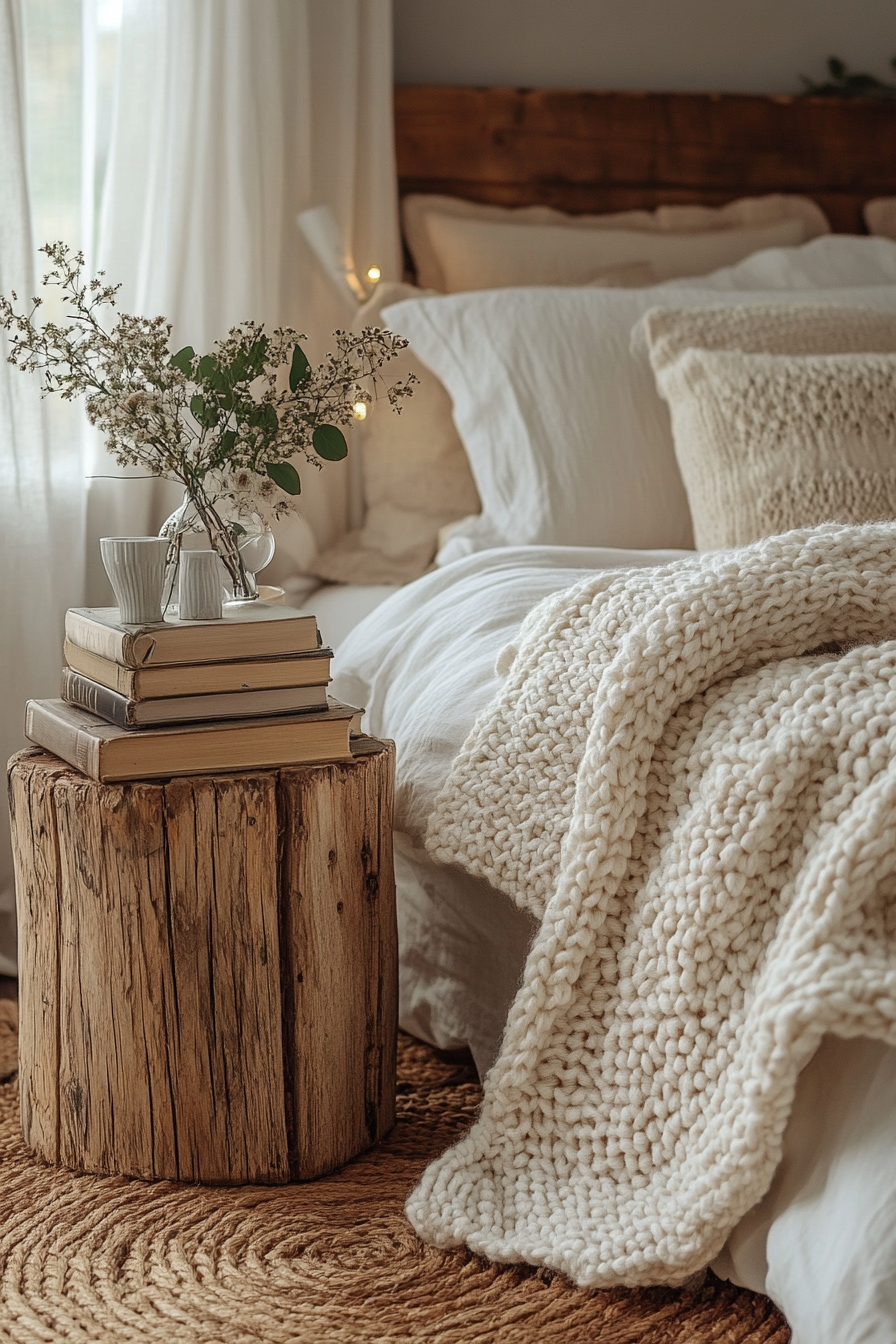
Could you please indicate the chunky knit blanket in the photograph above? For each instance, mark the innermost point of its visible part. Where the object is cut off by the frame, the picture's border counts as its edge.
(699, 801)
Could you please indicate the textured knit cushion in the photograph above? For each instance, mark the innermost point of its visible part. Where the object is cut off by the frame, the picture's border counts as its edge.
(782, 418)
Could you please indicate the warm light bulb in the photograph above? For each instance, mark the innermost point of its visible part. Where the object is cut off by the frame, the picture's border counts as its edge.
(359, 410)
(373, 274)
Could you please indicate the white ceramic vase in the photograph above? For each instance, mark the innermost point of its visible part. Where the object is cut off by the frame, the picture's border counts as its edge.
(136, 569)
(200, 586)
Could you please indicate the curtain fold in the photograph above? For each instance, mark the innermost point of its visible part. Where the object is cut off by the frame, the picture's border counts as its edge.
(230, 117)
(41, 478)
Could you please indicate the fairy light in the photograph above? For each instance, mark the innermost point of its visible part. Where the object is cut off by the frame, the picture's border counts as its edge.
(359, 410)
(373, 274)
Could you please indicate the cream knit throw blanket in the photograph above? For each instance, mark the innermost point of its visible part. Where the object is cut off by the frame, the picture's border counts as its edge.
(705, 821)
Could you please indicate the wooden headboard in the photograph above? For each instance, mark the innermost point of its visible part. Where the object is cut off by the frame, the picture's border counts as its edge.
(593, 152)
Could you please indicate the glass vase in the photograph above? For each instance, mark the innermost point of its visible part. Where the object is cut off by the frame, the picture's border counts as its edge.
(244, 544)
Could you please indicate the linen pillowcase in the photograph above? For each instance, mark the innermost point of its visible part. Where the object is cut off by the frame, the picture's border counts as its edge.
(421, 214)
(416, 477)
(781, 418)
(880, 216)
(837, 261)
(567, 436)
(482, 254)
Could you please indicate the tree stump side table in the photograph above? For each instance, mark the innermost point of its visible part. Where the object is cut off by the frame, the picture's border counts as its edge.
(208, 971)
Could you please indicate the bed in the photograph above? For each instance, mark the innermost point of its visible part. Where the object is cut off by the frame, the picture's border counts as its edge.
(428, 657)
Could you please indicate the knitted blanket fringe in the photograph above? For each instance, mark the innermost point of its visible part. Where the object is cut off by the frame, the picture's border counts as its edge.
(704, 818)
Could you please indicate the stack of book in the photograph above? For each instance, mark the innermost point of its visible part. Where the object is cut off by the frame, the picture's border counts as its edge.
(189, 697)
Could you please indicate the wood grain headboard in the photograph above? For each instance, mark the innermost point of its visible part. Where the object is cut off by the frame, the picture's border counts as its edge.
(593, 152)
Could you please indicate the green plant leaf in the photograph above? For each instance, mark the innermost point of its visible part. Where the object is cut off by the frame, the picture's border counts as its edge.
(207, 366)
(183, 360)
(299, 369)
(264, 417)
(329, 443)
(255, 357)
(206, 412)
(285, 475)
(228, 441)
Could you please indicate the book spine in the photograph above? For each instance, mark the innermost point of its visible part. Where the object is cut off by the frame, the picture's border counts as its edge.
(96, 699)
(103, 640)
(124, 680)
(62, 739)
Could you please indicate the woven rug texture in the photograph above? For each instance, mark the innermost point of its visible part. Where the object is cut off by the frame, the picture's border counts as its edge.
(104, 1259)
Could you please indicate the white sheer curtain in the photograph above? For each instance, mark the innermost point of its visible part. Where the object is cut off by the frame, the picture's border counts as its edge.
(41, 477)
(230, 117)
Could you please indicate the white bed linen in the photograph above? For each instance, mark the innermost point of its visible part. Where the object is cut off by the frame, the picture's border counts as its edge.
(822, 1242)
(339, 607)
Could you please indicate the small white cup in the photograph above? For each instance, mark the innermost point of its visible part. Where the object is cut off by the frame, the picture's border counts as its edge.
(136, 569)
(200, 591)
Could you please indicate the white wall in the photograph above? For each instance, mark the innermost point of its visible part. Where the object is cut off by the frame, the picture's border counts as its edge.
(755, 46)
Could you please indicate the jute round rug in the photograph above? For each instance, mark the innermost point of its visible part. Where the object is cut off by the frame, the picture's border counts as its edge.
(331, 1262)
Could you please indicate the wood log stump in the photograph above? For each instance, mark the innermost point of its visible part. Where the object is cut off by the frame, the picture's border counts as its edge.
(208, 968)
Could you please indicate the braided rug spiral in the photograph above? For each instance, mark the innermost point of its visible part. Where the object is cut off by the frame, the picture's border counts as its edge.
(704, 818)
(107, 1260)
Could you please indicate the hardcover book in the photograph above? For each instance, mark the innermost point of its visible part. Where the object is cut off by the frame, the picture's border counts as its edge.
(108, 753)
(134, 714)
(246, 630)
(174, 679)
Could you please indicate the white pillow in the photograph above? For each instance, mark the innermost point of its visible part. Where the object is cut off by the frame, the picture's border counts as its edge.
(421, 214)
(837, 261)
(415, 475)
(567, 437)
(482, 254)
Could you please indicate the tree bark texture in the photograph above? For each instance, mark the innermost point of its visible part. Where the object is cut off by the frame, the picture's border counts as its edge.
(208, 968)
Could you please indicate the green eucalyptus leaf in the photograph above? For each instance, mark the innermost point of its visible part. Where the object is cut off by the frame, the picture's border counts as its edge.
(329, 443)
(257, 352)
(264, 417)
(183, 360)
(228, 441)
(299, 369)
(237, 529)
(207, 366)
(206, 412)
(285, 475)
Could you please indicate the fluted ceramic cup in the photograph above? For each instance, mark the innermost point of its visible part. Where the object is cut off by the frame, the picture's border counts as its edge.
(200, 590)
(136, 569)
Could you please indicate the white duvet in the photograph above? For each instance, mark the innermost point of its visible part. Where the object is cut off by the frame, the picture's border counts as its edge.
(822, 1243)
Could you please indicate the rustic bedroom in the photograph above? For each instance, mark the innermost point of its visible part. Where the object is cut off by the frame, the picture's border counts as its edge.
(448, 641)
